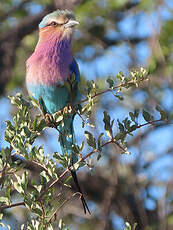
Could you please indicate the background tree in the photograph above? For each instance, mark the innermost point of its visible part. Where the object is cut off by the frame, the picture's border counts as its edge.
(113, 36)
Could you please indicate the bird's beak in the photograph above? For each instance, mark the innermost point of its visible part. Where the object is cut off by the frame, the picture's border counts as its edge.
(71, 23)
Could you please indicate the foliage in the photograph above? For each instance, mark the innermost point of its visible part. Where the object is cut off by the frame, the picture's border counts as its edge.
(128, 226)
(39, 196)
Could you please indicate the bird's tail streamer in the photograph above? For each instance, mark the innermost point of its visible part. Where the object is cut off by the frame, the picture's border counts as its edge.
(67, 139)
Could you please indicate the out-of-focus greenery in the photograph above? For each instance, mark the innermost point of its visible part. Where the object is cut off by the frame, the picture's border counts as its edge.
(113, 36)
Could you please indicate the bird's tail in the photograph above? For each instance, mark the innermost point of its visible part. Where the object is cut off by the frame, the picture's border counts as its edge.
(85, 206)
(67, 139)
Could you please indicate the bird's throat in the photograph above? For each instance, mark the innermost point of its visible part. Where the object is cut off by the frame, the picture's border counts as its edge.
(51, 60)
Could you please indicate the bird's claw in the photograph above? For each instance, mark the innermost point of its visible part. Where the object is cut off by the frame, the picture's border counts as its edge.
(49, 120)
(67, 109)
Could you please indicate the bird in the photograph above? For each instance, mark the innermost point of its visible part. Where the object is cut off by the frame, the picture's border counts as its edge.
(53, 77)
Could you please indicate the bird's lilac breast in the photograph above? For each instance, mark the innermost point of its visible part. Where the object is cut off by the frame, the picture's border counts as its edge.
(49, 64)
(47, 71)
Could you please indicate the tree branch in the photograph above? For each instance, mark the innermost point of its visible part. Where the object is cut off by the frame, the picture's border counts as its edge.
(13, 10)
(11, 205)
(78, 162)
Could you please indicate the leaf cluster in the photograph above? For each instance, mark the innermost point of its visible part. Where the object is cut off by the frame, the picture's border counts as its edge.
(39, 196)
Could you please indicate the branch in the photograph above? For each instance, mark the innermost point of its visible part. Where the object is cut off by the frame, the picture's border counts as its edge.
(133, 40)
(90, 154)
(29, 164)
(53, 184)
(13, 10)
(11, 205)
(106, 91)
(79, 161)
(26, 26)
(151, 123)
(63, 203)
(143, 135)
(68, 170)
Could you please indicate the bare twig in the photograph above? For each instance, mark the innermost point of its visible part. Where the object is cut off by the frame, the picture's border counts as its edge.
(32, 161)
(151, 123)
(63, 203)
(106, 91)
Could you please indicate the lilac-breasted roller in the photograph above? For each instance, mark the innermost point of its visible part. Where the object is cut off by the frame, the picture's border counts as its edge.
(53, 76)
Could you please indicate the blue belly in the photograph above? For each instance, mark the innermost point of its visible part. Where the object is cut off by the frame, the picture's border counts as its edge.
(54, 97)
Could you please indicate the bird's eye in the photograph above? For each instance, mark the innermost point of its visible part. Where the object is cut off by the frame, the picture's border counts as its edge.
(53, 23)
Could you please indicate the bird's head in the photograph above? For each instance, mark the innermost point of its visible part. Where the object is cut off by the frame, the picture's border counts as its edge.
(59, 23)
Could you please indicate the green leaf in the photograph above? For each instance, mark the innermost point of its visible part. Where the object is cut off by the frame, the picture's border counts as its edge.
(119, 97)
(82, 146)
(38, 187)
(8, 227)
(120, 136)
(129, 227)
(24, 181)
(90, 124)
(4, 200)
(136, 113)
(133, 128)
(121, 126)
(2, 225)
(44, 177)
(18, 187)
(1, 216)
(148, 117)
(99, 141)
(120, 76)
(132, 116)
(90, 139)
(110, 82)
(62, 226)
(68, 179)
(34, 101)
(22, 227)
(106, 121)
(28, 201)
(34, 124)
(61, 159)
(91, 87)
(41, 125)
(37, 209)
(108, 124)
(77, 165)
(127, 122)
(50, 227)
(163, 114)
(134, 226)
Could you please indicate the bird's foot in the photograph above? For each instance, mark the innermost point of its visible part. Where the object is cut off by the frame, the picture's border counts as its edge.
(67, 109)
(49, 120)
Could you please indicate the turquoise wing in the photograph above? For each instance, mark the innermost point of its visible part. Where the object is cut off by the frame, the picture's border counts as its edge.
(74, 70)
